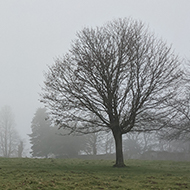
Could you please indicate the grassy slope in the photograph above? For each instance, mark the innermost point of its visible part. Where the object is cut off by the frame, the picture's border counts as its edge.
(78, 174)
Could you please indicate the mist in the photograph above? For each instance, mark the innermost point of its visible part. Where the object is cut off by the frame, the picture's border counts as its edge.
(34, 33)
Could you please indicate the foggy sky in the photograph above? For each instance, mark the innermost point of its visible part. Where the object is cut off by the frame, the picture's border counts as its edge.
(34, 32)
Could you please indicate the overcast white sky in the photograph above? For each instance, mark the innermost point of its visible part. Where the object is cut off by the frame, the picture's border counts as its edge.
(34, 32)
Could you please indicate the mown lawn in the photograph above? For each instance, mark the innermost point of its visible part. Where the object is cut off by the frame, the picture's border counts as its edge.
(79, 174)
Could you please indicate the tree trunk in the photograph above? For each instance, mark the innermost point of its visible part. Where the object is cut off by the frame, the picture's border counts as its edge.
(119, 151)
(94, 149)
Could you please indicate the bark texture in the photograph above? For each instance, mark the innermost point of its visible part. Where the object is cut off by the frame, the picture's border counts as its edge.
(119, 151)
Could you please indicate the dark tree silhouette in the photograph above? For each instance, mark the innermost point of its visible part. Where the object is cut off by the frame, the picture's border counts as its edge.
(39, 138)
(47, 140)
(116, 77)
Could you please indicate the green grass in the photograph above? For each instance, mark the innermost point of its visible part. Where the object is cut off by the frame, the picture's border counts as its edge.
(78, 174)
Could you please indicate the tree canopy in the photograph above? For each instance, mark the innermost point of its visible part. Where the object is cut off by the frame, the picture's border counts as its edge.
(116, 77)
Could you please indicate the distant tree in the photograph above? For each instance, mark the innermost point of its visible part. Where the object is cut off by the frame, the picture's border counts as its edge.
(46, 139)
(91, 143)
(64, 145)
(108, 143)
(132, 146)
(97, 143)
(116, 77)
(40, 127)
(9, 138)
(20, 149)
(136, 144)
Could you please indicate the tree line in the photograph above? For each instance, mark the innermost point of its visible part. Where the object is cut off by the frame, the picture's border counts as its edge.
(49, 142)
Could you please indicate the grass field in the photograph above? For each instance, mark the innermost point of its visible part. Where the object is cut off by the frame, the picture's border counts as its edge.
(26, 173)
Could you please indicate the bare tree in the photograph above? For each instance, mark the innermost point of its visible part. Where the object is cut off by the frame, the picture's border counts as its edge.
(98, 143)
(180, 128)
(91, 143)
(8, 135)
(20, 149)
(108, 143)
(135, 144)
(116, 77)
